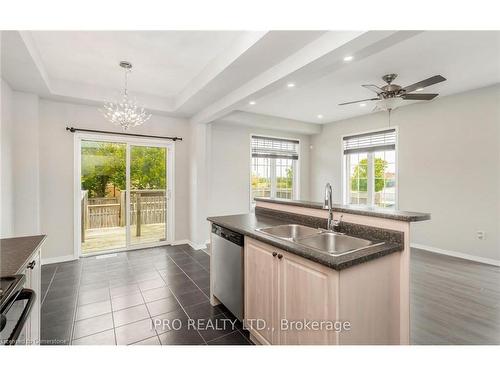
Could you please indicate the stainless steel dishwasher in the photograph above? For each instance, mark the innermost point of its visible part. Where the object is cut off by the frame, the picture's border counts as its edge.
(227, 253)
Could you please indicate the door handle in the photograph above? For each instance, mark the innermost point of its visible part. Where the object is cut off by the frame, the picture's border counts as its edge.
(31, 264)
(274, 253)
(30, 296)
(280, 256)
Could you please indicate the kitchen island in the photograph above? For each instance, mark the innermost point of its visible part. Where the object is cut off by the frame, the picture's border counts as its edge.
(296, 294)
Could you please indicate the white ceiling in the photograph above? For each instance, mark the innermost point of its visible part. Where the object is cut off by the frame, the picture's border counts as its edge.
(206, 75)
(468, 59)
(164, 62)
(175, 72)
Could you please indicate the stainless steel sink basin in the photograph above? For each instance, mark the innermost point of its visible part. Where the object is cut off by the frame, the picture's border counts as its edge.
(290, 232)
(334, 243)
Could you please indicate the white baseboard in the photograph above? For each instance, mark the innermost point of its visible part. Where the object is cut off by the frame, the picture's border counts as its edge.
(197, 246)
(457, 254)
(180, 242)
(64, 258)
(191, 243)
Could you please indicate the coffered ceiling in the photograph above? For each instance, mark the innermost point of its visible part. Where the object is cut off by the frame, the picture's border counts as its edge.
(175, 72)
(211, 76)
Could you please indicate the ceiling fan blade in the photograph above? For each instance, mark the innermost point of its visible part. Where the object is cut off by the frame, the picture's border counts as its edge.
(419, 96)
(373, 88)
(426, 82)
(359, 101)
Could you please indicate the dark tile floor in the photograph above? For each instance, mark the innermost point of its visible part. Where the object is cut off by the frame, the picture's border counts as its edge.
(115, 299)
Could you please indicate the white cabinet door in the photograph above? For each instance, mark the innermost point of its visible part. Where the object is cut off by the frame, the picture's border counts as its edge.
(285, 290)
(260, 290)
(35, 279)
(306, 294)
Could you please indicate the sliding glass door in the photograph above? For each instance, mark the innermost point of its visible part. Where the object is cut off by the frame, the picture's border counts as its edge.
(148, 194)
(123, 195)
(102, 196)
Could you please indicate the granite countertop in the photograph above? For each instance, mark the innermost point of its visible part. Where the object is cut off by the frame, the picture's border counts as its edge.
(14, 252)
(356, 210)
(247, 224)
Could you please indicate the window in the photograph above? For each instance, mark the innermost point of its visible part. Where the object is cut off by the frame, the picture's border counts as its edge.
(274, 168)
(370, 169)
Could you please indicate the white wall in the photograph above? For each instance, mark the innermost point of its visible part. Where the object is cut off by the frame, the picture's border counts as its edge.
(230, 167)
(449, 165)
(56, 169)
(6, 160)
(26, 164)
(199, 160)
(19, 163)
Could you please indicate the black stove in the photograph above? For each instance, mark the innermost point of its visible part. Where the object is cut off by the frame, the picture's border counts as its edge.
(10, 286)
(15, 306)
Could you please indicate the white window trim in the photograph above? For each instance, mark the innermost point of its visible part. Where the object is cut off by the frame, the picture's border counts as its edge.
(344, 162)
(296, 177)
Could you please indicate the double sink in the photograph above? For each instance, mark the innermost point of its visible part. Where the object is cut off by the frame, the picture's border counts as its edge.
(329, 242)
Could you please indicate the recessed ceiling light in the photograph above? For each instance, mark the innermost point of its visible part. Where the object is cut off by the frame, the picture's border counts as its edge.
(320, 116)
(420, 89)
(348, 58)
(362, 105)
(251, 102)
(290, 84)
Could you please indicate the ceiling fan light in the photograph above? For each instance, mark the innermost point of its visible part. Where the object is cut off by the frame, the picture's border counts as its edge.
(389, 103)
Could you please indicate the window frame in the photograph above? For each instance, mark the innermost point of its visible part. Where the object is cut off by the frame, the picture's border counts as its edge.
(296, 176)
(371, 167)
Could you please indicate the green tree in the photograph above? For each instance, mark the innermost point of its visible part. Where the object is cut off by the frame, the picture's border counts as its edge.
(104, 163)
(147, 168)
(285, 182)
(359, 179)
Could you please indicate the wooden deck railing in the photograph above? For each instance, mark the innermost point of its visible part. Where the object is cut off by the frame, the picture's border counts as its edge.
(146, 207)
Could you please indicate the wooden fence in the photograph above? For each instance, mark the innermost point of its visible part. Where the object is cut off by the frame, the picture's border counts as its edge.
(93, 201)
(146, 207)
(103, 215)
(149, 208)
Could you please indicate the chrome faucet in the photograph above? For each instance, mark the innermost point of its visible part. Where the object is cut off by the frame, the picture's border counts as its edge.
(332, 225)
(328, 205)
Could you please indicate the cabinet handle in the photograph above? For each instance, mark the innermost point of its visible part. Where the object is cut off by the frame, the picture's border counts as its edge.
(274, 253)
(31, 264)
(280, 256)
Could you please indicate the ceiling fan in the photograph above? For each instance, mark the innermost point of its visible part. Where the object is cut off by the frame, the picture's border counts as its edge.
(392, 94)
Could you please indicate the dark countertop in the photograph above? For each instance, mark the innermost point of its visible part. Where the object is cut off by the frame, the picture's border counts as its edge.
(247, 224)
(14, 252)
(356, 210)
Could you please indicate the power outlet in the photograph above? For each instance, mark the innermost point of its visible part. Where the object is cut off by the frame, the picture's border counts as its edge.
(481, 234)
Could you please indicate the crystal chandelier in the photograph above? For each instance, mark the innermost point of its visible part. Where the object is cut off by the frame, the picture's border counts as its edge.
(125, 112)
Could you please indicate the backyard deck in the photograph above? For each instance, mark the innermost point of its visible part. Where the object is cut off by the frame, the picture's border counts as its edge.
(99, 239)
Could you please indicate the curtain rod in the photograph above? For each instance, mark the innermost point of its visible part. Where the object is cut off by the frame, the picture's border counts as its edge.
(73, 130)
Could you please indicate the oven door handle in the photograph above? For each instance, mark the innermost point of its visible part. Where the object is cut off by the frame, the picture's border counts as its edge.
(30, 296)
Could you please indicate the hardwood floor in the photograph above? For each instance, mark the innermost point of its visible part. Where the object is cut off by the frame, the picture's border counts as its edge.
(453, 301)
